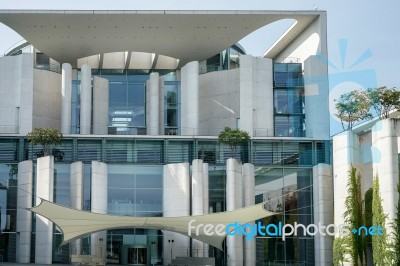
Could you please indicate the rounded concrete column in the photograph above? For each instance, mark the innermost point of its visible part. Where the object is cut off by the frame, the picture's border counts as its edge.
(205, 202)
(44, 227)
(24, 224)
(176, 201)
(66, 90)
(234, 244)
(190, 99)
(386, 166)
(86, 100)
(99, 186)
(76, 198)
(323, 211)
(153, 104)
(197, 201)
(249, 249)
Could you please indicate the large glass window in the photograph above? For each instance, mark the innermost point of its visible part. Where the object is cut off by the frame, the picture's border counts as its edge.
(171, 107)
(135, 190)
(75, 106)
(289, 100)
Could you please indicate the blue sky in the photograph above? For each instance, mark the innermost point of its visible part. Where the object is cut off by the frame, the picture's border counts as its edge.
(365, 30)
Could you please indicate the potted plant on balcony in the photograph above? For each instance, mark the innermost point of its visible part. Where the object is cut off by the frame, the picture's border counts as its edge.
(46, 138)
(233, 138)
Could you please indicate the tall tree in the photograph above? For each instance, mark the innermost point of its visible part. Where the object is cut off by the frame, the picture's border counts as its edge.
(340, 250)
(353, 216)
(396, 227)
(380, 250)
(383, 100)
(352, 107)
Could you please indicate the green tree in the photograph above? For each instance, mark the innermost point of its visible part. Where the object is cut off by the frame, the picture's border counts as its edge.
(352, 107)
(380, 250)
(396, 229)
(233, 138)
(383, 100)
(45, 137)
(340, 250)
(353, 216)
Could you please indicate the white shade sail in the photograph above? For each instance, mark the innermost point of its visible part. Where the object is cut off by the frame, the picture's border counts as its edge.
(76, 224)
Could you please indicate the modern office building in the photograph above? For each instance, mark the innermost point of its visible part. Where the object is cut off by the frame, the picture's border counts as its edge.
(140, 97)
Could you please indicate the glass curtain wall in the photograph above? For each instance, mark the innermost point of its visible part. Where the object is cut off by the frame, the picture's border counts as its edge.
(289, 100)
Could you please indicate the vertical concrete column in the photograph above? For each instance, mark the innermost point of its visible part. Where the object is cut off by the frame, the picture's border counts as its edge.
(316, 96)
(234, 200)
(197, 201)
(86, 100)
(76, 198)
(249, 249)
(323, 212)
(246, 94)
(346, 151)
(44, 227)
(152, 104)
(206, 202)
(99, 205)
(66, 90)
(24, 224)
(386, 166)
(100, 106)
(161, 122)
(176, 200)
(190, 99)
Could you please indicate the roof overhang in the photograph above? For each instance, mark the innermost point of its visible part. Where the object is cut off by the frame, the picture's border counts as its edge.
(67, 36)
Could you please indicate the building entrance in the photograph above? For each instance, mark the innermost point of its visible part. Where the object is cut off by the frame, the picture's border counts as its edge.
(137, 256)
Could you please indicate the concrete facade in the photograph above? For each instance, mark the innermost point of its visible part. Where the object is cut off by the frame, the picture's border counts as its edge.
(153, 104)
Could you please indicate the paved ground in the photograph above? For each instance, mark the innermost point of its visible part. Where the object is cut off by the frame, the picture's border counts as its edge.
(15, 264)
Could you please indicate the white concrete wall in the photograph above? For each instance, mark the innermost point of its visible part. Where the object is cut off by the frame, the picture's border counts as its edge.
(76, 198)
(190, 99)
(234, 200)
(219, 101)
(311, 41)
(99, 184)
(386, 166)
(323, 212)
(153, 104)
(316, 98)
(44, 227)
(16, 94)
(86, 100)
(249, 246)
(24, 224)
(176, 200)
(100, 106)
(66, 92)
(46, 99)
(256, 96)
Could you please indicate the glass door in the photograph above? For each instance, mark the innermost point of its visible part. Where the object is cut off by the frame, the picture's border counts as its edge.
(137, 256)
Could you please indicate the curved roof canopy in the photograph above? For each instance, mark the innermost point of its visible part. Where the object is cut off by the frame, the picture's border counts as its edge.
(67, 36)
